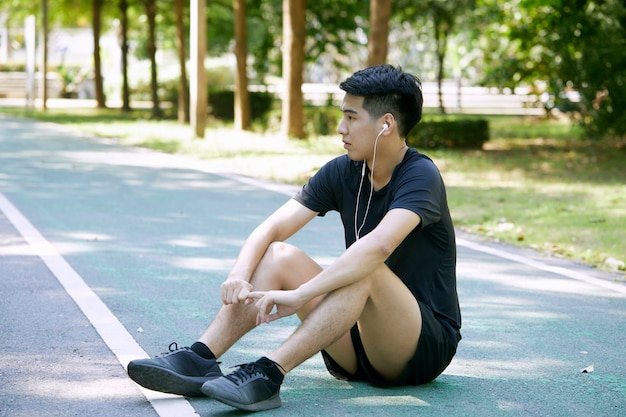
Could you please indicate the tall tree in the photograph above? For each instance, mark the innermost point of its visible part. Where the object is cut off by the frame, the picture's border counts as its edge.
(97, 62)
(378, 40)
(123, 41)
(292, 122)
(151, 12)
(44, 66)
(443, 21)
(197, 74)
(183, 87)
(242, 97)
(332, 34)
(441, 16)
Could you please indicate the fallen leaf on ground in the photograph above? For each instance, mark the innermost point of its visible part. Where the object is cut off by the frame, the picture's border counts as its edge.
(587, 370)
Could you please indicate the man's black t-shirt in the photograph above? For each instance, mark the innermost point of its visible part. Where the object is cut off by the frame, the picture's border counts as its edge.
(426, 260)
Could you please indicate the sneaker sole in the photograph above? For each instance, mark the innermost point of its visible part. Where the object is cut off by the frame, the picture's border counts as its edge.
(163, 380)
(269, 404)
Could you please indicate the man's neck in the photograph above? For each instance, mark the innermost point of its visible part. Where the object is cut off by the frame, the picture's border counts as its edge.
(385, 164)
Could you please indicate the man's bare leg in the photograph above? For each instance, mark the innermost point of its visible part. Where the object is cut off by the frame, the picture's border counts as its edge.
(283, 267)
(183, 371)
(376, 303)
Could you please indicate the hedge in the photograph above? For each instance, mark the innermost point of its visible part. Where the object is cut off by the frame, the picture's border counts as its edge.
(428, 134)
(222, 104)
(466, 134)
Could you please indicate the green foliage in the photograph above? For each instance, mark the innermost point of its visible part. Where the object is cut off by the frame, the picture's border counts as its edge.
(332, 25)
(562, 44)
(219, 78)
(331, 29)
(567, 44)
(71, 75)
(318, 120)
(321, 120)
(463, 134)
(520, 128)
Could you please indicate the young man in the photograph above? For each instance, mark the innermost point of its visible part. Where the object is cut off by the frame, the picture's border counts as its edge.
(386, 311)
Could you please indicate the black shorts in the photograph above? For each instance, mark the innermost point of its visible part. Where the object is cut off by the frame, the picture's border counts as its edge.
(435, 349)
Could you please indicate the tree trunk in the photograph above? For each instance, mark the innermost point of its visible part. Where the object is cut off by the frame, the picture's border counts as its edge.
(97, 11)
(378, 42)
(123, 7)
(154, 83)
(242, 97)
(198, 86)
(442, 26)
(293, 64)
(183, 88)
(44, 65)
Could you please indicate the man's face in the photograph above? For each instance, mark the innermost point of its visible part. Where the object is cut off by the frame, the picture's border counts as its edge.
(357, 129)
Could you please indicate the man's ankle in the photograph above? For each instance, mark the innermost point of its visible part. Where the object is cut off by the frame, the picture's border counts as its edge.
(272, 369)
(202, 350)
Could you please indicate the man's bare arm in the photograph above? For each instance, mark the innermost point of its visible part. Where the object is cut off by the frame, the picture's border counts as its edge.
(357, 262)
(279, 226)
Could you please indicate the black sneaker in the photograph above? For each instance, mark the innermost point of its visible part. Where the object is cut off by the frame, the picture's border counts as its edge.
(248, 388)
(180, 371)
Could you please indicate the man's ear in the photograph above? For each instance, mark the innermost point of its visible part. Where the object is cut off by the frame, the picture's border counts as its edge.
(389, 123)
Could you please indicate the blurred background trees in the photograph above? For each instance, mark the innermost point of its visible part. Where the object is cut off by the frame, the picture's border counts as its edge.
(569, 54)
(564, 48)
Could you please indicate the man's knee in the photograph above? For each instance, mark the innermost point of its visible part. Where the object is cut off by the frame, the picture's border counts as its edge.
(281, 248)
(378, 277)
(278, 253)
(286, 265)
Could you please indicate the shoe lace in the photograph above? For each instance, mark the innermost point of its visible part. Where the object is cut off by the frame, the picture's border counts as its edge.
(245, 372)
(173, 347)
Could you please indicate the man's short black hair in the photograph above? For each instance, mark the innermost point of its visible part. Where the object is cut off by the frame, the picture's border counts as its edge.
(388, 89)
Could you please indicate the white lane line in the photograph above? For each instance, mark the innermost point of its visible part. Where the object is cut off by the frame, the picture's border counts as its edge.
(113, 333)
(541, 266)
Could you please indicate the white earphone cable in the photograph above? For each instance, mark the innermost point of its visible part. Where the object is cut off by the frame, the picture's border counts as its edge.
(357, 231)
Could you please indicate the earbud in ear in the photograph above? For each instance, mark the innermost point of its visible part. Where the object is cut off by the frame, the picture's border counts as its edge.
(385, 126)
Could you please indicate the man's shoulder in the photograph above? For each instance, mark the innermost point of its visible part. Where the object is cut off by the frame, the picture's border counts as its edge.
(413, 155)
(341, 161)
(413, 160)
(338, 165)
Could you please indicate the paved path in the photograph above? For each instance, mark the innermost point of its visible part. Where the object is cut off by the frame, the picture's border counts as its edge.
(109, 253)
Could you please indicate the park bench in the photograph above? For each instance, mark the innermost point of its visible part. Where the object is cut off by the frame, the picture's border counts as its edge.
(13, 85)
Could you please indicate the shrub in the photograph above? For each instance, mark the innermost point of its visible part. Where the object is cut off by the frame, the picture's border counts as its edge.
(218, 78)
(321, 120)
(318, 120)
(466, 134)
(222, 104)
(12, 67)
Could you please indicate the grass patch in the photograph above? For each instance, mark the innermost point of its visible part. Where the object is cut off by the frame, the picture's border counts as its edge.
(567, 201)
(535, 183)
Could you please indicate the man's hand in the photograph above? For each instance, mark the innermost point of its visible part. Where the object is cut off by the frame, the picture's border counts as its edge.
(235, 291)
(286, 303)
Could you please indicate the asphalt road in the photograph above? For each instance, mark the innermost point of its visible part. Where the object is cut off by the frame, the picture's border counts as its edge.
(109, 253)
